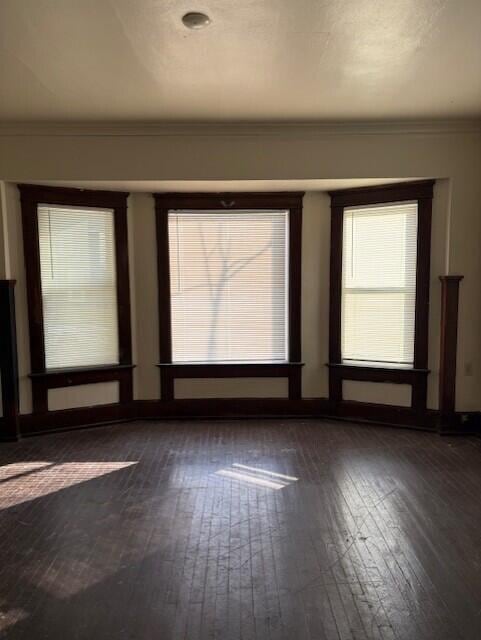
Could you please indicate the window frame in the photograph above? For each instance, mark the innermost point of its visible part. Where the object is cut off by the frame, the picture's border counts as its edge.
(416, 376)
(43, 379)
(169, 371)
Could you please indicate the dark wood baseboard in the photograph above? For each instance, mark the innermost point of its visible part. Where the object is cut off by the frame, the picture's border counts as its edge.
(232, 408)
(65, 419)
(6, 435)
(239, 408)
(386, 414)
(9, 425)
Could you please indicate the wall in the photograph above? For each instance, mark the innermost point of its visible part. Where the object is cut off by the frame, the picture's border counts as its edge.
(281, 153)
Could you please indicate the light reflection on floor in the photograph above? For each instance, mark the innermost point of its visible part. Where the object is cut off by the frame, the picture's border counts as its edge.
(256, 476)
(9, 617)
(24, 481)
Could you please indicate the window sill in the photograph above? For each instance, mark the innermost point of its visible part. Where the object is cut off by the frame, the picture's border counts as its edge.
(230, 369)
(376, 373)
(376, 365)
(71, 371)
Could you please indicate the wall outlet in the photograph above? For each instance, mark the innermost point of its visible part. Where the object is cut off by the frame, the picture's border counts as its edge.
(468, 369)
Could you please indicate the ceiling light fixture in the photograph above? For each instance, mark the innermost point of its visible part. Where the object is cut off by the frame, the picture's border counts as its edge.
(195, 20)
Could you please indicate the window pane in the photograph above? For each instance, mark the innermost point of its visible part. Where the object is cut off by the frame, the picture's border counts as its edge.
(379, 283)
(77, 261)
(228, 274)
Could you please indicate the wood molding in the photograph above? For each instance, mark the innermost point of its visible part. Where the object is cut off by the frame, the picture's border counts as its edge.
(31, 196)
(448, 350)
(291, 370)
(70, 196)
(291, 201)
(61, 378)
(227, 408)
(422, 191)
(419, 190)
(9, 424)
(82, 417)
(377, 374)
(223, 201)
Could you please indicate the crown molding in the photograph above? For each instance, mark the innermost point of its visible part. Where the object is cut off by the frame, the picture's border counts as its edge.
(290, 129)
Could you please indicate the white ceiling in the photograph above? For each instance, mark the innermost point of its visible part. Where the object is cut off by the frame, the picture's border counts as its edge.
(213, 186)
(272, 60)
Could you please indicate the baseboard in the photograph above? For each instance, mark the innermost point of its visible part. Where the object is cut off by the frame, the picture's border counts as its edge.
(468, 422)
(386, 414)
(37, 423)
(232, 408)
(226, 408)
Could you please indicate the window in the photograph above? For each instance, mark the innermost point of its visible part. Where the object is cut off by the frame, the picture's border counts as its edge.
(379, 290)
(229, 269)
(77, 268)
(229, 286)
(79, 296)
(379, 283)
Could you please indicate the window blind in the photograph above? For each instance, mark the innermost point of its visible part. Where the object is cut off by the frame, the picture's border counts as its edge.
(229, 291)
(77, 265)
(379, 283)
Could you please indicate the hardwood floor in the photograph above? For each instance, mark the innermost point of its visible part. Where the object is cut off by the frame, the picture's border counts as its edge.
(160, 531)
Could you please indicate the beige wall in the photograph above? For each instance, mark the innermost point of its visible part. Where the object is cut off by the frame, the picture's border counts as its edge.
(270, 153)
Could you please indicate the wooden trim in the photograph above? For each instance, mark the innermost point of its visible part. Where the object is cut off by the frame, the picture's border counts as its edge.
(226, 408)
(423, 269)
(448, 349)
(82, 417)
(164, 202)
(232, 408)
(9, 425)
(295, 281)
(232, 370)
(41, 194)
(163, 275)
(31, 251)
(422, 192)
(386, 414)
(393, 375)
(57, 379)
(123, 284)
(31, 196)
(171, 372)
(229, 200)
(335, 289)
(419, 190)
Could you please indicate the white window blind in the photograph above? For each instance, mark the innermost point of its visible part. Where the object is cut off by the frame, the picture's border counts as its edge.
(379, 283)
(77, 263)
(229, 292)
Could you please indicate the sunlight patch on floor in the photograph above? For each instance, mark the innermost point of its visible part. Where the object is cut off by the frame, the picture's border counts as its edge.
(256, 476)
(9, 617)
(23, 481)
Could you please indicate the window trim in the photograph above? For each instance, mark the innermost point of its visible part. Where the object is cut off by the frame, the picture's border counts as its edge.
(31, 196)
(290, 201)
(416, 376)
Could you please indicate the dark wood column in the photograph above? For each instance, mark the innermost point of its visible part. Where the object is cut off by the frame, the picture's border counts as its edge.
(8, 362)
(448, 351)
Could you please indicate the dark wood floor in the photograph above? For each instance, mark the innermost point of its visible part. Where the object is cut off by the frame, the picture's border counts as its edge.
(157, 531)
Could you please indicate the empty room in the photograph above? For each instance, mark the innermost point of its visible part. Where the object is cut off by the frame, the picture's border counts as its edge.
(240, 319)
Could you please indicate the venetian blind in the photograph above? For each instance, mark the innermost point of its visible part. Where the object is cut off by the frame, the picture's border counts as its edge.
(379, 283)
(229, 292)
(77, 262)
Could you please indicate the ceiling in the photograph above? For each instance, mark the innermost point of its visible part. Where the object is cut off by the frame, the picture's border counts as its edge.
(259, 60)
(213, 186)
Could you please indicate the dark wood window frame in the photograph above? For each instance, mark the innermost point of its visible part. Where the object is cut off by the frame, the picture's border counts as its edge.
(416, 376)
(42, 379)
(292, 202)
